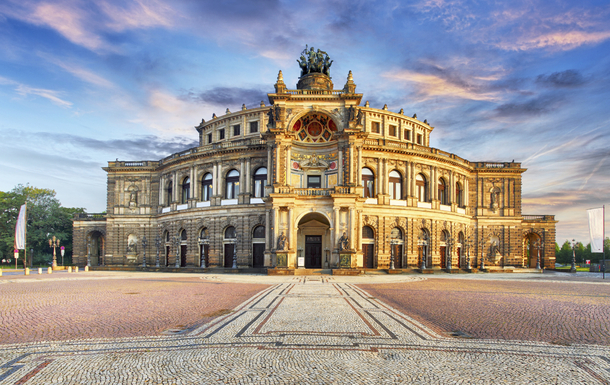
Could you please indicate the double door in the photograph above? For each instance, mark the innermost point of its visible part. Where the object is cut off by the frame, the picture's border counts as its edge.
(313, 251)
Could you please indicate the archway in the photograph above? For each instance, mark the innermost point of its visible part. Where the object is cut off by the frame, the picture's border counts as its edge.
(368, 247)
(397, 247)
(313, 241)
(530, 252)
(96, 248)
(258, 246)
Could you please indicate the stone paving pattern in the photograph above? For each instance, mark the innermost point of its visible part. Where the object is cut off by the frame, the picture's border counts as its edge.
(62, 306)
(284, 335)
(555, 312)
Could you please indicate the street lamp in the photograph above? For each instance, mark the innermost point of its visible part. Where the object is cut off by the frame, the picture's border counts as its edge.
(158, 244)
(483, 254)
(392, 243)
(63, 251)
(235, 252)
(177, 243)
(54, 243)
(203, 242)
(423, 238)
(467, 247)
(573, 269)
(144, 243)
(538, 245)
(449, 243)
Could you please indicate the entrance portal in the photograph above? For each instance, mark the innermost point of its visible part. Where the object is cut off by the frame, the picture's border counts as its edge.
(313, 252)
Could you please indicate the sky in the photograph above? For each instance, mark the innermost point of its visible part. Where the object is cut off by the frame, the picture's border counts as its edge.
(83, 83)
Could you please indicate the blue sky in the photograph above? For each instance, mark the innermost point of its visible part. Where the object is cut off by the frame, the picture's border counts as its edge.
(82, 83)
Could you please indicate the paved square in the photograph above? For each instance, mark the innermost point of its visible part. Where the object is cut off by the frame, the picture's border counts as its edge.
(284, 334)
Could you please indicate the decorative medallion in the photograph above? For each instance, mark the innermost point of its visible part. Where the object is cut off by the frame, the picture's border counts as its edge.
(314, 128)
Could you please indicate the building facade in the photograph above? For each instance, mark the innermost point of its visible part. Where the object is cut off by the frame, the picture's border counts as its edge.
(314, 180)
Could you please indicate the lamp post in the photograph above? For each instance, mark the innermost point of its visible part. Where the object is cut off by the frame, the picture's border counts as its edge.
(144, 243)
(483, 254)
(449, 243)
(158, 244)
(326, 252)
(61, 249)
(392, 243)
(573, 269)
(177, 243)
(235, 252)
(467, 247)
(203, 242)
(54, 243)
(422, 240)
(538, 245)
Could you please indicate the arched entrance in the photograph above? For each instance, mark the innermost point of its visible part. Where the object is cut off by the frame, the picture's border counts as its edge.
(422, 249)
(204, 248)
(258, 246)
(368, 247)
(397, 247)
(444, 252)
(530, 252)
(183, 248)
(313, 240)
(96, 248)
(230, 244)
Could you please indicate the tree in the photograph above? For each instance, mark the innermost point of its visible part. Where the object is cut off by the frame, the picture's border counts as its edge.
(564, 255)
(46, 218)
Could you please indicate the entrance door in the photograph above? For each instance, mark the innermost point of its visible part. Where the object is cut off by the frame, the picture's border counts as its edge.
(397, 256)
(166, 256)
(182, 255)
(258, 254)
(313, 251)
(205, 252)
(443, 257)
(460, 257)
(228, 255)
(368, 252)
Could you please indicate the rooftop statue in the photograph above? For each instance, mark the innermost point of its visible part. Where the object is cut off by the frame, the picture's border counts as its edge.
(312, 61)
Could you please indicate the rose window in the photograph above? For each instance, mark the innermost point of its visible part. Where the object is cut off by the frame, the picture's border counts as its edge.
(314, 128)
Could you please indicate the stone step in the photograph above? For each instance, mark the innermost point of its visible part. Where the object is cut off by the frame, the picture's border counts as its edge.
(312, 271)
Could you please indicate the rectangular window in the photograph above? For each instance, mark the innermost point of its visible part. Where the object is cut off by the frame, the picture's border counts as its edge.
(408, 135)
(314, 181)
(236, 130)
(210, 138)
(420, 139)
(393, 131)
(253, 127)
(221, 134)
(375, 127)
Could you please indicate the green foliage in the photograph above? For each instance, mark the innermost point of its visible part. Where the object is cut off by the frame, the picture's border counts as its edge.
(46, 218)
(583, 253)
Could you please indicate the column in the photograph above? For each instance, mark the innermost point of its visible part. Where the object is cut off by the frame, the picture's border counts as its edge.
(276, 225)
(341, 181)
(175, 190)
(269, 165)
(193, 191)
(412, 182)
(352, 222)
(288, 151)
(384, 176)
(466, 194)
(242, 170)
(407, 187)
(336, 228)
(161, 190)
(248, 177)
(351, 163)
(434, 184)
(214, 179)
(290, 229)
(267, 231)
(378, 189)
(359, 165)
(219, 181)
(277, 163)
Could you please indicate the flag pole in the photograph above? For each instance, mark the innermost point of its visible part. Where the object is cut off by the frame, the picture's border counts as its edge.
(25, 238)
(603, 242)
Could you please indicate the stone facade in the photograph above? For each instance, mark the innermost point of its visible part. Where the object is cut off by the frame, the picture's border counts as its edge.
(318, 176)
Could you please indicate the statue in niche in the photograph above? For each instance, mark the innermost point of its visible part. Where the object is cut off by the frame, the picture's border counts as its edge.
(360, 118)
(495, 198)
(132, 244)
(343, 242)
(133, 198)
(281, 242)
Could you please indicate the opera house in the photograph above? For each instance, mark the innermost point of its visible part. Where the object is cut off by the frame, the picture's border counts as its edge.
(318, 180)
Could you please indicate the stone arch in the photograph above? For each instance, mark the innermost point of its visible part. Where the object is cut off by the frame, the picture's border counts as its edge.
(530, 253)
(95, 246)
(338, 124)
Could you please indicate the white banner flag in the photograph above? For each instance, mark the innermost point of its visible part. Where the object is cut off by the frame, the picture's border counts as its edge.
(20, 229)
(596, 229)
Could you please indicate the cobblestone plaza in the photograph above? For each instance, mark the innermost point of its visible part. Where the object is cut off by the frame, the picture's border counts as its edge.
(303, 329)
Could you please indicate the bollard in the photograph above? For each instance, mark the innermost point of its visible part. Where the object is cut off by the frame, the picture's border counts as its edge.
(86, 268)
(49, 270)
(76, 269)
(0, 272)
(69, 269)
(27, 271)
(40, 270)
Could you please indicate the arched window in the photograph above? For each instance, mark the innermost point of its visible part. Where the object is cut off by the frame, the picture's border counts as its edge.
(230, 233)
(183, 235)
(459, 195)
(396, 233)
(204, 233)
(421, 188)
(259, 232)
(170, 191)
(368, 182)
(395, 185)
(260, 181)
(368, 233)
(186, 189)
(232, 184)
(167, 237)
(442, 191)
(206, 187)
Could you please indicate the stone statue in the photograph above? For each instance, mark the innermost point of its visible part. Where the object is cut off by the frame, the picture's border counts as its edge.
(351, 113)
(343, 242)
(281, 242)
(312, 61)
(360, 117)
(271, 116)
(303, 64)
(327, 64)
(133, 198)
(131, 245)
